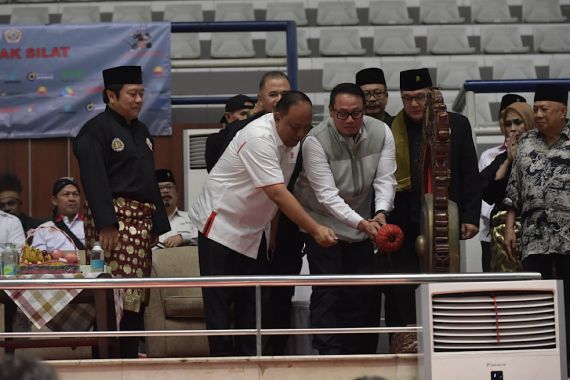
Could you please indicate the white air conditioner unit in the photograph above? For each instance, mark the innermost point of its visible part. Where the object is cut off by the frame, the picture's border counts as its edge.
(195, 173)
(512, 330)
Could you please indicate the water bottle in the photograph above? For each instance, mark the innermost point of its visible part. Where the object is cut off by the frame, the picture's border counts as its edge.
(96, 258)
(10, 261)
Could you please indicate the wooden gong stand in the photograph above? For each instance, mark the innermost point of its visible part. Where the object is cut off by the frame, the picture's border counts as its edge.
(438, 242)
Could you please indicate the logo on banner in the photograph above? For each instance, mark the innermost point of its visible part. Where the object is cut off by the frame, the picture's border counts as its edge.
(141, 40)
(32, 76)
(67, 92)
(12, 78)
(117, 144)
(158, 71)
(42, 90)
(13, 35)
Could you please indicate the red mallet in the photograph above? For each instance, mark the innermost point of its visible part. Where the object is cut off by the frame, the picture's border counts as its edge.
(389, 238)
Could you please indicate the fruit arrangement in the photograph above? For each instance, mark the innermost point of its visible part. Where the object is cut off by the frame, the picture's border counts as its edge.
(33, 260)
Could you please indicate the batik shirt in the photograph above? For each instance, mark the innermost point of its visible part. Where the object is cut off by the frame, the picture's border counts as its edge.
(539, 191)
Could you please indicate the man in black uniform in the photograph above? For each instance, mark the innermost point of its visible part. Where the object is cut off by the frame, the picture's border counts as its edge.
(464, 188)
(124, 208)
(373, 84)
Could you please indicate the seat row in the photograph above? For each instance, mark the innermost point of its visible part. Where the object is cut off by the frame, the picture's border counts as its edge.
(328, 13)
(386, 41)
(449, 75)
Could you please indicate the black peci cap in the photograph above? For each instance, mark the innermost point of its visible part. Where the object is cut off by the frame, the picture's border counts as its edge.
(122, 75)
(416, 79)
(164, 175)
(371, 75)
(552, 93)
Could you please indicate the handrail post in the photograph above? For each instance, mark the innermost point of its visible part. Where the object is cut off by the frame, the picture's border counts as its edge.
(258, 342)
(292, 64)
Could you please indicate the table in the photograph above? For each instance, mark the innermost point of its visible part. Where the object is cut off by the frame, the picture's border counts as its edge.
(61, 309)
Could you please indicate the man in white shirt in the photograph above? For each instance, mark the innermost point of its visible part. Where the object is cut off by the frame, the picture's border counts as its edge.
(182, 231)
(241, 196)
(11, 231)
(65, 231)
(348, 159)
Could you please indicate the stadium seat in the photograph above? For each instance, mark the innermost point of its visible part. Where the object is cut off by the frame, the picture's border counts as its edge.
(276, 44)
(452, 74)
(234, 12)
(183, 13)
(491, 12)
(30, 16)
(537, 11)
(507, 68)
(392, 71)
(185, 45)
(287, 11)
(132, 13)
(232, 45)
(448, 40)
(502, 40)
(389, 13)
(339, 72)
(483, 107)
(440, 12)
(395, 41)
(80, 15)
(552, 39)
(559, 68)
(31, 1)
(340, 42)
(337, 13)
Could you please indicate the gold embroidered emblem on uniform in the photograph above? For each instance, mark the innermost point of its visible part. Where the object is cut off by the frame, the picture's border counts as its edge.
(117, 144)
(149, 143)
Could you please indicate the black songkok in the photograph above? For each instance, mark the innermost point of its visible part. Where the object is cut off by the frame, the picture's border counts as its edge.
(416, 79)
(551, 92)
(164, 175)
(371, 75)
(509, 99)
(122, 75)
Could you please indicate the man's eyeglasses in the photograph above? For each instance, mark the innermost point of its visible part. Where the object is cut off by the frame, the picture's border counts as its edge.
(167, 186)
(343, 115)
(420, 98)
(509, 123)
(9, 203)
(376, 94)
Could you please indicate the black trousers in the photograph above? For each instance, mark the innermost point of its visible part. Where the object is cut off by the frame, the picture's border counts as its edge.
(486, 256)
(401, 299)
(554, 267)
(277, 305)
(227, 308)
(131, 321)
(338, 306)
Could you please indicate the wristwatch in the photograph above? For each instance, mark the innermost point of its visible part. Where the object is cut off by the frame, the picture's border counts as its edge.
(386, 213)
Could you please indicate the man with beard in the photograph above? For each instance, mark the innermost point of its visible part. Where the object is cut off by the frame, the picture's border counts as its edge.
(182, 231)
(373, 84)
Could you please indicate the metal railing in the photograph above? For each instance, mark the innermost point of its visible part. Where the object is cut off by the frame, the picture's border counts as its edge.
(290, 61)
(240, 281)
(466, 98)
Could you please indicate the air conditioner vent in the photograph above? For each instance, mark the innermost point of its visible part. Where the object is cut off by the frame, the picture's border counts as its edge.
(197, 151)
(494, 320)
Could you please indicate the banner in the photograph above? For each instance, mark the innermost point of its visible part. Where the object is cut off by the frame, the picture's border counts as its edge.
(51, 81)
